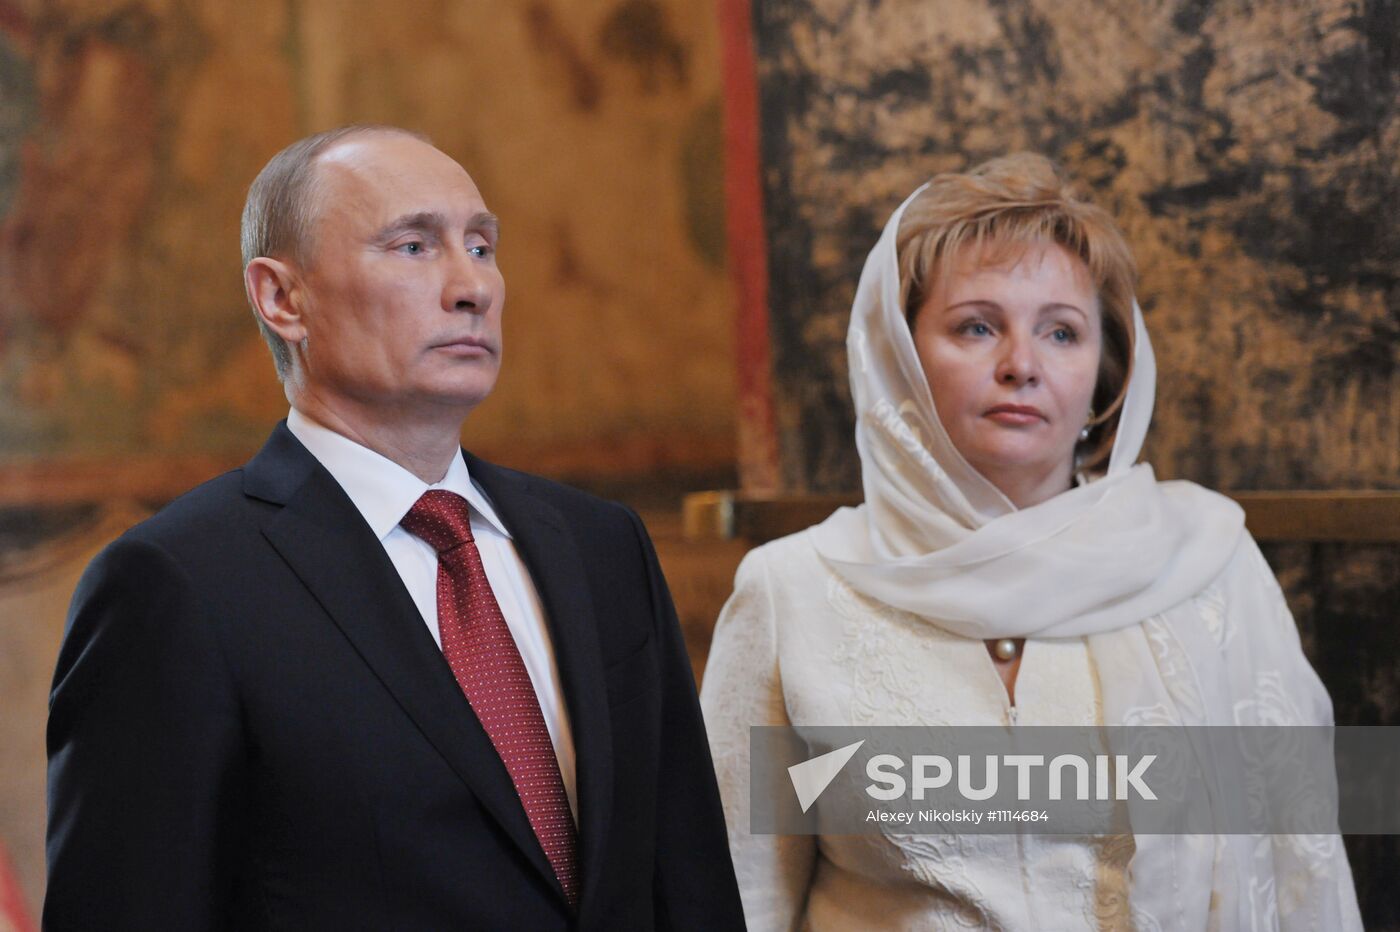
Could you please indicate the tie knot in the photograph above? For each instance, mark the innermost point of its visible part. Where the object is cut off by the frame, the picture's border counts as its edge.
(441, 519)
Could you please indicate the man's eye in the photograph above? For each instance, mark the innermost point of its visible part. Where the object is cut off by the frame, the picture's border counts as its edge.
(481, 252)
(411, 249)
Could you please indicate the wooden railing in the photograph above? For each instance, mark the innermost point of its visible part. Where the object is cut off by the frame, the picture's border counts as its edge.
(1316, 516)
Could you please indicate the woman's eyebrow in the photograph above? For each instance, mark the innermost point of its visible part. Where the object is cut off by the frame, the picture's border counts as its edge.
(975, 302)
(1052, 306)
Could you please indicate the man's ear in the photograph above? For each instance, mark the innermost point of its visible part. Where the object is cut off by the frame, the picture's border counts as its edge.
(273, 288)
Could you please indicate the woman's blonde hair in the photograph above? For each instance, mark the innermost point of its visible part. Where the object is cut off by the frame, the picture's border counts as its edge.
(1000, 209)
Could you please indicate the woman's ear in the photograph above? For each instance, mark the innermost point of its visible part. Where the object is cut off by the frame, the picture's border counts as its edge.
(274, 291)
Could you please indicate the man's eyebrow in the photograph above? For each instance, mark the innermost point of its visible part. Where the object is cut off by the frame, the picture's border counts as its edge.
(429, 222)
(486, 222)
(424, 221)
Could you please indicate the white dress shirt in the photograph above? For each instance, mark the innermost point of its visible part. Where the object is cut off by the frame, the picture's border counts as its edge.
(383, 492)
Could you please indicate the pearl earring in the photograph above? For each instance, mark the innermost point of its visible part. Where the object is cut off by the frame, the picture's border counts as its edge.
(1084, 434)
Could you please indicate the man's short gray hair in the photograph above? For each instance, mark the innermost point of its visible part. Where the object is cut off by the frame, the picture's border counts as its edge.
(280, 213)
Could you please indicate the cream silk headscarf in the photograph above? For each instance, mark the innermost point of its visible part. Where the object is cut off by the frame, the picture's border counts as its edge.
(937, 539)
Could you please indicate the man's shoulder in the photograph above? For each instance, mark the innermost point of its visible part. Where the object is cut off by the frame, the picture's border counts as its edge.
(209, 511)
(199, 537)
(235, 501)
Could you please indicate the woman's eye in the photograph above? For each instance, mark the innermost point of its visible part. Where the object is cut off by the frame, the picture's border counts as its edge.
(1063, 335)
(481, 252)
(976, 328)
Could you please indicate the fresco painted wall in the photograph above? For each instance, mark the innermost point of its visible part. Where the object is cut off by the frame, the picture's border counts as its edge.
(130, 365)
(1251, 151)
(129, 134)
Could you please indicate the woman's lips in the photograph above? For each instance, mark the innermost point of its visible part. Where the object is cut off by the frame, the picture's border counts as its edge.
(1015, 415)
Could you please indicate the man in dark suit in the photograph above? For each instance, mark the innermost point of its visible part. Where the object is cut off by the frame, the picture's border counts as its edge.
(369, 681)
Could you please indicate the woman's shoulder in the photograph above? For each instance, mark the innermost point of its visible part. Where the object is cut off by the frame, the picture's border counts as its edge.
(1205, 519)
(783, 560)
(1245, 560)
(795, 546)
(1249, 569)
(1185, 495)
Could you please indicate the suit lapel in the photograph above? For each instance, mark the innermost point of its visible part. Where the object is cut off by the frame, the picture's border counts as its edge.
(557, 570)
(327, 544)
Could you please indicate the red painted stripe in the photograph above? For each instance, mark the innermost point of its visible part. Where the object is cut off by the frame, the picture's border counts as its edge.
(748, 252)
(14, 917)
(13, 22)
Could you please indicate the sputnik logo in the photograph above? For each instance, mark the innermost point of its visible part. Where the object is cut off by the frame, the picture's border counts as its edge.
(811, 777)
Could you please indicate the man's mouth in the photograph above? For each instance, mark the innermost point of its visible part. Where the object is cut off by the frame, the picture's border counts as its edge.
(465, 346)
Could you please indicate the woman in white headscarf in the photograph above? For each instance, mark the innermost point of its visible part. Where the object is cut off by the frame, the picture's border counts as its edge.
(1012, 563)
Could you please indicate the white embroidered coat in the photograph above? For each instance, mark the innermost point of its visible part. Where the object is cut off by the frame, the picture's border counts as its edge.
(796, 645)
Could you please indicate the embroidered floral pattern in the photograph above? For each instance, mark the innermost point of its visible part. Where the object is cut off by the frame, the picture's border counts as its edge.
(1175, 669)
(1210, 605)
(909, 437)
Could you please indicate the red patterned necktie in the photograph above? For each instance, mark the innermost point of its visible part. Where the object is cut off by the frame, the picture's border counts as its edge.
(482, 654)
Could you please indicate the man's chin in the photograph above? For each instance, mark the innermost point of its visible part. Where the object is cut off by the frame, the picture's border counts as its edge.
(460, 395)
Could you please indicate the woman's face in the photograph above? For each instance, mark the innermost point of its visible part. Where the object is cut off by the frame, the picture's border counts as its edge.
(1011, 354)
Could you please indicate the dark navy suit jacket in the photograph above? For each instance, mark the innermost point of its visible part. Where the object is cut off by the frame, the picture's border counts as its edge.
(251, 728)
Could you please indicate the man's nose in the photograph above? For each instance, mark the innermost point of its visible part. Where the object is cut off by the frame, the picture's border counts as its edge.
(1017, 363)
(468, 284)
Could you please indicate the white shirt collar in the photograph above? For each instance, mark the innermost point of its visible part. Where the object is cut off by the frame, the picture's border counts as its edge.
(382, 490)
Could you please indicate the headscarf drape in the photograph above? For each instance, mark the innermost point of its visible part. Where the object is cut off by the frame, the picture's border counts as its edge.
(936, 538)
